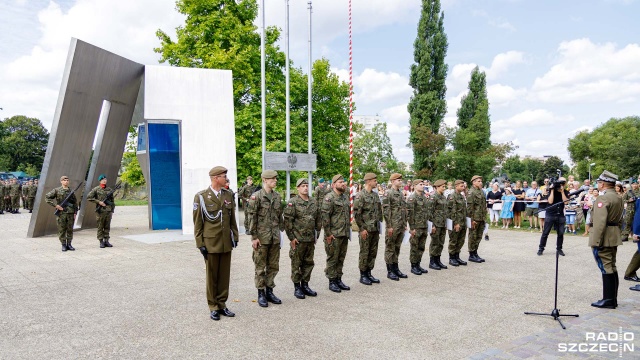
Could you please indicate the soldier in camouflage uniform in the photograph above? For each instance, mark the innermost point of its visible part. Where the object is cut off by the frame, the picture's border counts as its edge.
(367, 211)
(437, 206)
(477, 211)
(105, 206)
(321, 191)
(457, 212)
(302, 222)
(24, 188)
(31, 194)
(394, 208)
(6, 186)
(629, 199)
(2, 195)
(265, 225)
(417, 214)
(14, 194)
(68, 214)
(245, 193)
(337, 232)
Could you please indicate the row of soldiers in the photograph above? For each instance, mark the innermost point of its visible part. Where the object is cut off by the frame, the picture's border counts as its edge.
(11, 192)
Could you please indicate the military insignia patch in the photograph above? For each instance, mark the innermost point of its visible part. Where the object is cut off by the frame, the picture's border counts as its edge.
(289, 204)
(600, 204)
(195, 206)
(253, 197)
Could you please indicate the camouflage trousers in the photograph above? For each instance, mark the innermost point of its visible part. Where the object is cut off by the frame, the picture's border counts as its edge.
(266, 259)
(368, 251)
(418, 243)
(302, 261)
(30, 202)
(437, 241)
(392, 246)
(103, 220)
(336, 252)
(456, 240)
(15, 202)
(606, 259)
(65, 227)
(628, 222)
(475, 236)
(246, 215)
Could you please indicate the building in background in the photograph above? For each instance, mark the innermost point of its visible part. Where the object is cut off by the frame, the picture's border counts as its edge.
(369, 121)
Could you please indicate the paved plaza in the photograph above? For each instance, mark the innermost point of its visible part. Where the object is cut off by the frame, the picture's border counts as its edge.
(145, 298)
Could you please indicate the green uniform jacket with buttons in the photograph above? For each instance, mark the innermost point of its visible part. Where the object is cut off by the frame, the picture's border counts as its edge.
(302, 219)
(417, 211)
(215, 231)
(57, 196)
(437, 210)
(266, 220)
(336, 215)
(457, 209)
(367, 211)
(606, 217)
(477, 205)
(394, 208)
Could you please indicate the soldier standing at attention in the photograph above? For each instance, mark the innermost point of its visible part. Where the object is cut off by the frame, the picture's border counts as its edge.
(216, 233)
(394, 208)
(68, 214)
(14, 194)
(7, 198)
(437, 210)
(2, 196)
(320, 191)
(25, 188)
(367, 211)
(302, 222)
(629, 202)
(417, 216)
(245, 193)
(604, 237)
(31, 194)
(477, 211)
(105, 206)
(457, 211)
(337, 232)
(265, 224)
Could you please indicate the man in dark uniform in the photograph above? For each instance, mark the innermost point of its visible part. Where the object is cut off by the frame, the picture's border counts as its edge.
(477, 212)
(604, 237)
(394, 208)
(456, 211)
(266, 223)
(302, 222)
(216, 234)
(367, 211)
(417, 216)
(337, 232)
(68, 213)
(245, 193)
(558, 196)
(102, 197)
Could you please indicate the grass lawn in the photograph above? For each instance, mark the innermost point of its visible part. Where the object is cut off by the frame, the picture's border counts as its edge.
(131, 202)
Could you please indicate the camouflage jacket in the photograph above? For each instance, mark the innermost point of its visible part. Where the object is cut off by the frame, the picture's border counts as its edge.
(605, 218)
(417, 211)
(33, 191)
(302, 219)
(57, 196)
(14, 190)
(265, 217)
(98, 194)
(457, 209)
(437, 206)
(367, 211)
(394, 208)
(25, 190)
(336, 215)
(246, 191)
(476, 205)
(319, 193)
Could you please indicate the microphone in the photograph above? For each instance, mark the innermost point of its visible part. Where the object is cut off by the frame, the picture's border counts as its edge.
(575, 193)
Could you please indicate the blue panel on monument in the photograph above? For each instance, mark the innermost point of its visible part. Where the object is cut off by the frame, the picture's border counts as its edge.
(164, 171)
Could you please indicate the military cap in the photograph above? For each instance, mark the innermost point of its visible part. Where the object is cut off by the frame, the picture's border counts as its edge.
(64, 177)
(269, 174)
(608, 176)
(218, 170)
(395, 176)
(369, 176)
(249, 178)
(302, 181)
(102, 176)
(336, 178)
(475, 177)
(417, 181)
(320, 181)
(458, 182)
(439, 182)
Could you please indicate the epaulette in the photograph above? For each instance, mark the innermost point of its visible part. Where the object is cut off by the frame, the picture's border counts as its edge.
(202, 192)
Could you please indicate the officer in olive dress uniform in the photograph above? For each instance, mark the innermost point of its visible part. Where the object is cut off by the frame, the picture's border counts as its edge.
(245, 193)
(105, 205)
(337, 232)
(31, 194)
(302, 223)
(604, 237)
(394, 208)
(417, 215)
(68, 213)
(477, 212)
(456, 212)
(437, 214)
(265, 225)
(367, 211)
(216, 234)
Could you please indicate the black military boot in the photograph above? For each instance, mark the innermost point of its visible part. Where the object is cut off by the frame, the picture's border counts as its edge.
(64, 247)
(30, 211)
(262, 299)
(442, 266)
(460, 261)
(424, 271)
(271, 297)
(69, 247)
(306, 289)
(433, 264)
(478, 256)
(106, 243)
(473, 257)
(400, 274)
(453, 261)
(364, 279)
(1, 212)
(101, 244)
(391, 274)
(298, 291)
(616, 284)
(415, 270)
(333, 286)
(625, 238)
(608, 293)
(342, 285)
(371, 278)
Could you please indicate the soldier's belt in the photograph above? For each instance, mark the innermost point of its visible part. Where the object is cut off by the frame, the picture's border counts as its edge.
(612, 224)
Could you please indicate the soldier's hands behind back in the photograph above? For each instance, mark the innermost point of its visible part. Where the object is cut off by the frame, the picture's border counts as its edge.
(204, 252)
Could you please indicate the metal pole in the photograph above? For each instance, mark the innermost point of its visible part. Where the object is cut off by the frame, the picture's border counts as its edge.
(288, 114)
(264, 85)
(350, 115)
(309, 95)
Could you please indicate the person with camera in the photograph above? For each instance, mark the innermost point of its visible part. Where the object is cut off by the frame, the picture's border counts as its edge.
(554, 216)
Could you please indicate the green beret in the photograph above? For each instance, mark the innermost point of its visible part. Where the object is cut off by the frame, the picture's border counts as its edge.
(269, 174)
(302, 181)
(102, 176)
(320, 181)
(218, 170)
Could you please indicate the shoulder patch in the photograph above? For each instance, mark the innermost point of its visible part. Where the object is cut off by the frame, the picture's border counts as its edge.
(253, 197)
(195, 206)
(289, 204)
(600, 204)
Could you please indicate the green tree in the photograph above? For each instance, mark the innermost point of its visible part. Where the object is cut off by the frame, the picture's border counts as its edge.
(428, 106)
(550, 168)
(130, 169)
(23, 143)
(372, 152)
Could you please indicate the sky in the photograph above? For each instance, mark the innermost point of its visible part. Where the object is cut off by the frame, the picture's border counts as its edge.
(553, 67)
